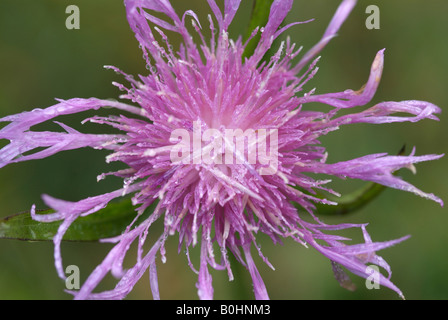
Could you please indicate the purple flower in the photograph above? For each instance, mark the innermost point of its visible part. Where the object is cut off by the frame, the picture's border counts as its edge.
(219, 204)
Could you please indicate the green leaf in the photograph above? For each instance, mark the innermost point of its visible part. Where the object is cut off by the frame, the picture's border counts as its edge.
(108, 222)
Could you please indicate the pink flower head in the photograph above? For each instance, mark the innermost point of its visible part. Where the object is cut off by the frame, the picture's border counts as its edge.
(219, 204)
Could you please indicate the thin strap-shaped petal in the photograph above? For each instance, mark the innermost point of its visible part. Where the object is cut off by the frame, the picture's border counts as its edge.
(54, 142)
(204, 285)
(260, 290)
(378, 168)
(137, 18)
(365, 248)
(382, 113)
(23, 141)
(106, 265)
(153, 281)
(161, 6)
(25, 120)
(127, 282)
(86, 206)
(279, 11)
(352, 264)
(350, 98)
(217, 13)
(69, 212)
(230, 9)
(339, 17)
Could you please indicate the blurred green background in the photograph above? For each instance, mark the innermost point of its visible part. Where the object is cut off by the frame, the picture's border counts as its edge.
(41, 60)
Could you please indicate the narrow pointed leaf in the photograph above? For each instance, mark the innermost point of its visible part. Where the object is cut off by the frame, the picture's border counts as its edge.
(108, 222)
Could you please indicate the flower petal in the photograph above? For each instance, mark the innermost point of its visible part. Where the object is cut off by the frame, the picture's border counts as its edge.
(69, 212)
(161, 6)
(23, 141)
(217, 13)
(381, 113)
(353, 265)
(279, 11)
(25, 120)
(259, 287)
(204, 285)
(339, 17)
(54, 142)
(130, 278)
(230, 9)
(350, 98)
(378, 168)
(153, 280)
